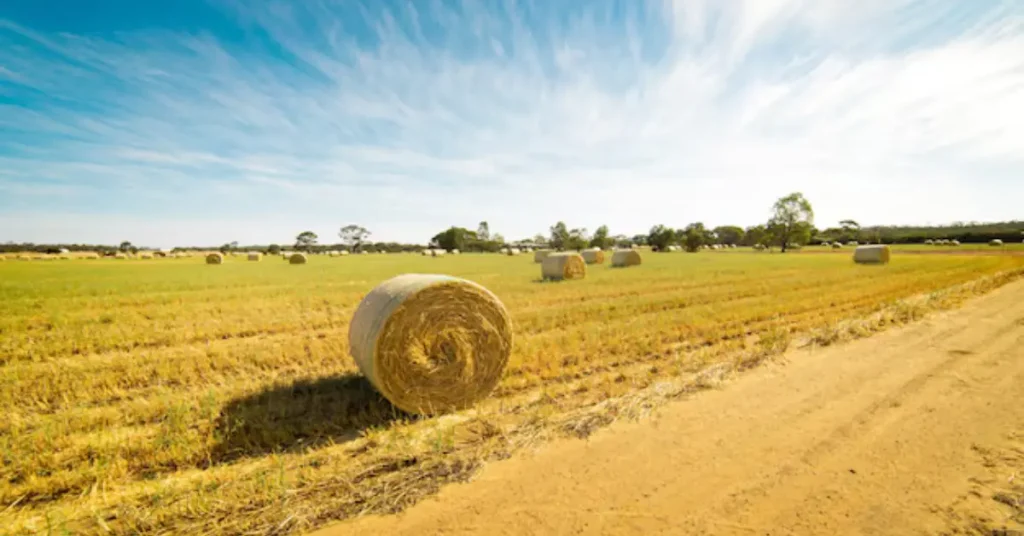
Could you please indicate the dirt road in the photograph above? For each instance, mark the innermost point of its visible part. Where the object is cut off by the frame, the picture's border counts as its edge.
(918, 430)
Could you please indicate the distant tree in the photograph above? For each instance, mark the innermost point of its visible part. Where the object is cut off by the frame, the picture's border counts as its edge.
(757, 234)
(694, 236)
(601, 239)
(638, 240)
(729, 234)
(483, 231)
(498, 239)
(577, 240)
(792, 221)
(660, 237)
(353, 236)
(559, 236)
(274, 249)
(125, 247)
(225, 248)
(455, 238)
(305, 241)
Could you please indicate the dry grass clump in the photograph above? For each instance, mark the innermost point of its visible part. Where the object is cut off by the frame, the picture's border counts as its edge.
(297, 258)
(593, 256)
(215, 258)
(625, 257)
(540, 254)
(873, 254)
(561, 266)
(431, 343)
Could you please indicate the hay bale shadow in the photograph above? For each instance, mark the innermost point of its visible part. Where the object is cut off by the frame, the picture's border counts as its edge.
(300, 416)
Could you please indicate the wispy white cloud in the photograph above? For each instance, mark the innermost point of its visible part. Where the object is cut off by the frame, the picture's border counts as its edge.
(415, 118)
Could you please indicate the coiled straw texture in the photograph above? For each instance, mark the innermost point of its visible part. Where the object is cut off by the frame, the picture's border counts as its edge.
(431, 343)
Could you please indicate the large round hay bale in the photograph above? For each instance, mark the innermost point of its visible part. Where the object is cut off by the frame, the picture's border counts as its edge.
(215, 258)
(852, 243)
(954, 242)
(625, 257)
(874, 254)
(297, 258)
(541, 254)
(455, 252)
(431, 343)
(255, 256)
(427, 253)
(437, 252)
(343, 252)
(995, 242)
(837, 245)
(512, 251)
(929, 242)
(567, 265)
(145, 255)
(593, 256)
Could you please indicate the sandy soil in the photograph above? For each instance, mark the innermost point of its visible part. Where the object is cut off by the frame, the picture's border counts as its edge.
(918, 430)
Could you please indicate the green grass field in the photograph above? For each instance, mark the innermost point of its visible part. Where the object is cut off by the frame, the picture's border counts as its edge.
(166, 395)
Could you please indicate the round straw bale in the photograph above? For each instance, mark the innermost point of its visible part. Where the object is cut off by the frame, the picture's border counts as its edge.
(540, 255)
(566, 265)
(427, 253)
(995, 242)
(215, 258)
(954, 242)
(438, 252)
(297, 258)
(255, 256)
(431, 343)
(874, 254)
(120, 256)
(593, 256)
(837, 245)
(625, 257)
(852, 243)
(512, 251)
(929, 242)
(145, 255)
(455, 252)
(364, 252)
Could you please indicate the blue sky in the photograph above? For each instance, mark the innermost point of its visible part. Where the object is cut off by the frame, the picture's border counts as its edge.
(193, 122)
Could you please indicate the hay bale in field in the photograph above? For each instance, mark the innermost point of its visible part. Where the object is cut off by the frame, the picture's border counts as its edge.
(120, 256)
(995, 242)
(512, 251)
(427, 253)
(954, 242)
(297, 258)
(853, 243)
(454, 252)
(431, 343)
(255, 256)
(145, 255)
(438, 252)
(565, 265)
(875, 254)
(837, 245)
(541, 254)
(364, 252)
(623, 258)
(332, 253)
(215, 258)
(929, 242)
(343, 252)
(593, 256)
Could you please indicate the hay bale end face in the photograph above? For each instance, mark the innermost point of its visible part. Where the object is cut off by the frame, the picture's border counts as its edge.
(561, 266)
(593, 256)
(297, 258)
(215, 258)
(625, 257)
(540, 255)
(995, 243)
(874, 254)
(431, 343)
(512, 251)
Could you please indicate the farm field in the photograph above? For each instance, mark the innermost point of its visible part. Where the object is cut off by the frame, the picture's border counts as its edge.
(167, 395)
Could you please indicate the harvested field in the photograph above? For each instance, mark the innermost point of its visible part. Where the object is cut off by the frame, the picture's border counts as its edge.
(170, 397)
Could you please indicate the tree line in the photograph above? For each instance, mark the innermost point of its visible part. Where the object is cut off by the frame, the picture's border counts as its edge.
(791, 225)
